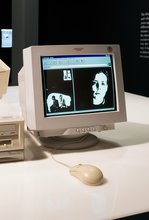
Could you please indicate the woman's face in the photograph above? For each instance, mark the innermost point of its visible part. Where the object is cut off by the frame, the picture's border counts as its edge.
(99, 88)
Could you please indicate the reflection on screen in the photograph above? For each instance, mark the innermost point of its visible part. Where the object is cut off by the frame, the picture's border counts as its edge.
(78, 84)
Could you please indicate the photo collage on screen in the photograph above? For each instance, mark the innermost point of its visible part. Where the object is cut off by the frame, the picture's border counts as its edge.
(78, 90)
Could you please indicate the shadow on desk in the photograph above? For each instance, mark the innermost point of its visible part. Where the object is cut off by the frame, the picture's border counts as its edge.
(125, 134)
(33, 151)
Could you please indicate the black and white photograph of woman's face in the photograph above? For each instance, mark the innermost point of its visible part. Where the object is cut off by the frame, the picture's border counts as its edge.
(99, 88)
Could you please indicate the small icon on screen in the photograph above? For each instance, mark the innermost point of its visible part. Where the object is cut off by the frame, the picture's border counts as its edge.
(6, 38)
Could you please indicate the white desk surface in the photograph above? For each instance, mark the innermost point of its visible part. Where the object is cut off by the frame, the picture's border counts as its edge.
(41, 189)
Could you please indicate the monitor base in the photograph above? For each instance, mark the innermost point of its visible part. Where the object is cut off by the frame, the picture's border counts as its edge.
(70, 142)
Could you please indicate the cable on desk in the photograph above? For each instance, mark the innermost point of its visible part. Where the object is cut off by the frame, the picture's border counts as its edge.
(37, 141)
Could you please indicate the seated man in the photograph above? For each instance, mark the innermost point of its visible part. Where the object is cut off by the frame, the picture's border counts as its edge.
(58, 101)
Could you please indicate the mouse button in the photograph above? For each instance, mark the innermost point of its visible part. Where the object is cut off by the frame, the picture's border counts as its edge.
(76, 173)
(75, 168)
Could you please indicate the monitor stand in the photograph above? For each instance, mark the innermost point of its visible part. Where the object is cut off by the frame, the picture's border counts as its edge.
(70, 142)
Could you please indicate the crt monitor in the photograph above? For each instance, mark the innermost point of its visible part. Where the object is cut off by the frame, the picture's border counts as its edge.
(68, 92)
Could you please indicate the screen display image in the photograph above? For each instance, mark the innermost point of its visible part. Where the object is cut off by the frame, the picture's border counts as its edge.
(78, 84)
(6, 38)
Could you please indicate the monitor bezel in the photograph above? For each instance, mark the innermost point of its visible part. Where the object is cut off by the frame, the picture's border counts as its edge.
(34, 95)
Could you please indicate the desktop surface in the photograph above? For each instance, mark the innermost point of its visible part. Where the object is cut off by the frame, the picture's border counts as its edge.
(41, 187)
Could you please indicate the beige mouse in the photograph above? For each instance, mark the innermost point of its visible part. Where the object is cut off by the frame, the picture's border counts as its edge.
(88, 174)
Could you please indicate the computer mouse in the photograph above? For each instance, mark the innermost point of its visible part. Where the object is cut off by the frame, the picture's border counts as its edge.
(88, 174)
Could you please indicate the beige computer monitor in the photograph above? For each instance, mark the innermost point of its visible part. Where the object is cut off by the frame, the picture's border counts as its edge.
(44, 75)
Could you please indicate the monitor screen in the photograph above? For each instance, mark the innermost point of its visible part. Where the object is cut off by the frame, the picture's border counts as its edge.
(71, 89)
(78, 84)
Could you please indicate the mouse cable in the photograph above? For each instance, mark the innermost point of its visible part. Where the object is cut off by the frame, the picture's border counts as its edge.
(51, 151)
(60, 162)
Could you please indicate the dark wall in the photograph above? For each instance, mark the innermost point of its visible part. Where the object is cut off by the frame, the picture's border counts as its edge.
(5, 22)
(25, 29)
(77, 22)
(81, 22)
(135, 68)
